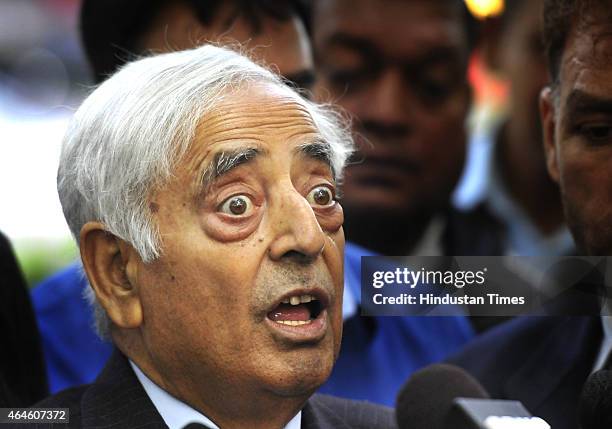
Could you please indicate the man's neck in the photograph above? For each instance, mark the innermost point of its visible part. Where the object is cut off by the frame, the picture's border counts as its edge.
(228, 406)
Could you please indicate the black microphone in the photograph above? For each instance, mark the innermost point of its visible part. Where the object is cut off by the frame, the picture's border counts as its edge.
(442, 396)
(595, 409)
(195, 426)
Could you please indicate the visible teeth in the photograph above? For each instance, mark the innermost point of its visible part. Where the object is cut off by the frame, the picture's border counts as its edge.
(294, 322)
(296, 300)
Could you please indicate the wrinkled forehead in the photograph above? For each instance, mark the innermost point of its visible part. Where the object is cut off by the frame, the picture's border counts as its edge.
(254, 110)
(259, 118)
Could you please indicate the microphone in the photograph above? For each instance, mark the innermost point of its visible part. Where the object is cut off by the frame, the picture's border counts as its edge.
(595, 408)
(442, 396)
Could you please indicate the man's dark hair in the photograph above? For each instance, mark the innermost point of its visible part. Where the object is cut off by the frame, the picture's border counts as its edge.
(112, 29)
(559, 17)
(557, 20)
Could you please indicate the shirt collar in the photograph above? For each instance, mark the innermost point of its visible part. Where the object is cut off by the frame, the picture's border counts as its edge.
(430, 243)
(484, 184)
(177, 414)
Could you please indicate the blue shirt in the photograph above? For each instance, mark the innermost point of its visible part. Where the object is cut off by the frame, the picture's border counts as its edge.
(377, 356)
(379, 353)
(74, 354)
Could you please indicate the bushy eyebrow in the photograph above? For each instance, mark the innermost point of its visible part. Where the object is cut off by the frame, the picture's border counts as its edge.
(225, 161)
(320, 150)
(581, 103)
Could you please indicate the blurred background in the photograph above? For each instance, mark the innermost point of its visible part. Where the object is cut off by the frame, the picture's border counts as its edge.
(44, 77)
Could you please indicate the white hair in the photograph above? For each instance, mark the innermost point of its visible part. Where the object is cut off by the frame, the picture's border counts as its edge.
(128, 135)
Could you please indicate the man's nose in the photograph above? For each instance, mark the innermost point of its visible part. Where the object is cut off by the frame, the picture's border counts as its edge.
(390, 100)
(297, 233)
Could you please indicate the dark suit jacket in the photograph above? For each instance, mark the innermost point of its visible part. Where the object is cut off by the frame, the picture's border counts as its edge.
(116, 399)
(22, 372)
(541, 361)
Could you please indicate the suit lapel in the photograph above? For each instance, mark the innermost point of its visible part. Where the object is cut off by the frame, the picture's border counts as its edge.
(317, 415)
(117, 399)
(559, 365)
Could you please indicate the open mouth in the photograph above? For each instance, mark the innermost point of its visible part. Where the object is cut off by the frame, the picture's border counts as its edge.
(297, 310)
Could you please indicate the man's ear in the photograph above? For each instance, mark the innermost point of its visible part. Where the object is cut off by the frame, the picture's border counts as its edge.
(112, 267)
(548, 117)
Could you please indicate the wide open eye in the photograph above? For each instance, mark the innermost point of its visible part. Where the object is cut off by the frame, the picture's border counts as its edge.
(237, 205)
(321, 196)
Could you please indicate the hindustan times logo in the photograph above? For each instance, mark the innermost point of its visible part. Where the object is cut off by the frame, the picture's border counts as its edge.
(412, 278)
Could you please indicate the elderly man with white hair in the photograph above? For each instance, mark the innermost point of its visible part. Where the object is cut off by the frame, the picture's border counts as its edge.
(202, 192)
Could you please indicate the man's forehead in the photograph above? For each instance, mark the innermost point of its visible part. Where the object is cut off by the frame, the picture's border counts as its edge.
(589, 44)
(265, 118)
(407, 25)
(254, 113)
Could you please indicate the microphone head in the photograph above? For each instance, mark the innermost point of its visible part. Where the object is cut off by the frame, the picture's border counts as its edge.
(427, 398)
(595, 409)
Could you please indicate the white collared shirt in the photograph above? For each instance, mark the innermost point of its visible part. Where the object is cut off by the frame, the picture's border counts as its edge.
(606, 344)
(177, 414)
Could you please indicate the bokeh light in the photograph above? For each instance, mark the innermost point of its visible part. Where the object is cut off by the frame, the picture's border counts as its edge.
(482, 9)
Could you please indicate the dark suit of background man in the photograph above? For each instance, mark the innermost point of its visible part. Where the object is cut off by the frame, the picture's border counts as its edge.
(544, 362)
(203, 193)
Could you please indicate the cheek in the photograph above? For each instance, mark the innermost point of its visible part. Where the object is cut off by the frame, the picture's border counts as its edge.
(586, 183)
(334, 259)
(577, 169)
(207, 299)
(443, 131)
(223, 229)
(201, 276)
(444, 147)
(331, 221)
(334, 255)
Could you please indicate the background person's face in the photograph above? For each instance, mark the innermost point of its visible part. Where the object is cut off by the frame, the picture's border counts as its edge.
(262, 232)
(578, 136)
(282, 44)
(399, 68)
(523, 63)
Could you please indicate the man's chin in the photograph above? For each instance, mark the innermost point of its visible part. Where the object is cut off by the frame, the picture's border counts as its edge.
(594, 241)
(302, 376)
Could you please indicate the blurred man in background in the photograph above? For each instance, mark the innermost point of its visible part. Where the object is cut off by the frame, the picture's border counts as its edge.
(544, 361)
(274, 32)
(512, 184)
(400, 69)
